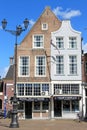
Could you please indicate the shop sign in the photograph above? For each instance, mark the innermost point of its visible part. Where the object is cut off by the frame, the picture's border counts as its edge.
(67, 98)
(33, 99)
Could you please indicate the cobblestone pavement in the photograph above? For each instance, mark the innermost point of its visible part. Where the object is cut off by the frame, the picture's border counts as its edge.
(44, 125)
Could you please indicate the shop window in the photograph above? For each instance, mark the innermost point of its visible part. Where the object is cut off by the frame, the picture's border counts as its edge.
(37, 105)
(75, 105)
(20, 106)
(66, 105)
(45, 105)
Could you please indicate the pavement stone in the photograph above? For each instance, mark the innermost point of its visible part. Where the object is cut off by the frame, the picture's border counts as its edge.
(53, 124)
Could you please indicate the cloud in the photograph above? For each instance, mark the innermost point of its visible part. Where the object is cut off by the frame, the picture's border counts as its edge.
(84, 47)
(3, 71)
(31, 23)
(67, 14)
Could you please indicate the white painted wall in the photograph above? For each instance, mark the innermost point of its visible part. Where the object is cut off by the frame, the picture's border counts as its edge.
(66, 31)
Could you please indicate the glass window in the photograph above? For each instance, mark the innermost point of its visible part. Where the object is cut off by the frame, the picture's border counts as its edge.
(44, 26)
(37, 89)
(59, 65)
(66, 105)
(74, 88)
(37, 105)
(66, 88)
(20, 89)
(40, 65)
(75, 105)
(59, 42)
(38, 41)
(45, 87)
(24, 66)
(73, 64)
(45, 105)
(20, 105)
(72, 42)
(28, 89)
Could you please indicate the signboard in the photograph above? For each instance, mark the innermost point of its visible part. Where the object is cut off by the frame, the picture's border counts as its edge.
(67, 98)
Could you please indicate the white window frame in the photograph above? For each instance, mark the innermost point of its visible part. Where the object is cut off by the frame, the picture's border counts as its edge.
(38, 47)
(61, 63)
(19, 73)
(44, 65)
(44, 28)
(72, 42)
(61, 42)
(75, 65)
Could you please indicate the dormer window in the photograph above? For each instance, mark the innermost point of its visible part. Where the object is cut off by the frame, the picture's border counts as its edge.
(44, 26)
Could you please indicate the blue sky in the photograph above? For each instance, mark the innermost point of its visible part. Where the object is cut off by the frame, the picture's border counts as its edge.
(15, 11)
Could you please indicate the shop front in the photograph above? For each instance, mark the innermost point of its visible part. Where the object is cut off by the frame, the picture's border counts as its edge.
(66, 106)
(34, 108)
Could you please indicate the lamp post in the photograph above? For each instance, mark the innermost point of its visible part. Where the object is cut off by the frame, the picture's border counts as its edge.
(14, 120)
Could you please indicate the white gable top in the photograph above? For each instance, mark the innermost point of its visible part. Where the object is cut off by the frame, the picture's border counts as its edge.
(66, 27)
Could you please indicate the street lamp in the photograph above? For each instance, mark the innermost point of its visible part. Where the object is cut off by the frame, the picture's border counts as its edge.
(14, 120)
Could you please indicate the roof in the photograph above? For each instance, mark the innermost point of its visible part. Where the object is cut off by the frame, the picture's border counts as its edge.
(9, 74)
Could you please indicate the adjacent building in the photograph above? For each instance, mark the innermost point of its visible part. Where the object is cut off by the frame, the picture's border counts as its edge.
(66, 75)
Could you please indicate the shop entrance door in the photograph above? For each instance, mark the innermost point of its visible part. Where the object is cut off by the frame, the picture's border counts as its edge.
(57, 108)
(28, 109)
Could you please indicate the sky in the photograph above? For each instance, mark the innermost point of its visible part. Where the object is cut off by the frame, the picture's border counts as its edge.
(15, 11)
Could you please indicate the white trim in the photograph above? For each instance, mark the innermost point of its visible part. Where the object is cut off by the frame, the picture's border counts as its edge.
(46, 26)
(33, 41)
(35, 66)
(19, 66)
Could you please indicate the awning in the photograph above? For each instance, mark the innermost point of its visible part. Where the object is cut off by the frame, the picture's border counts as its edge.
(67, 97)
(34, 99)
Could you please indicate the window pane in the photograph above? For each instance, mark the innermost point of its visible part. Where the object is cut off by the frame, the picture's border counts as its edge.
(66, 105)
(20, 89)
(40, 65)
(28, 89)
(72, 42)
(73, 64)
(24, 66)
(38, 41)
(59, 42)
(37, 89)
(59, 65)
(45, 105)
(37, 105)
(75, 105)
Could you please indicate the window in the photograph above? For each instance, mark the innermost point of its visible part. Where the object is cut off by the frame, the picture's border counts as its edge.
(44, 26)
(28, 89)
(59, 42)
(38, 41)
(66, 105)
(37, 105)
(86, 67)
(40, 66)
(45, 105)
(24, 66)
(75, 105)
(20, 105)
(73, 65)
(67, 88)
(72, 42)
(20, 88)
(45, 87)
(72, 105)
(31, 89)
(59, 65)
(37, 89)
